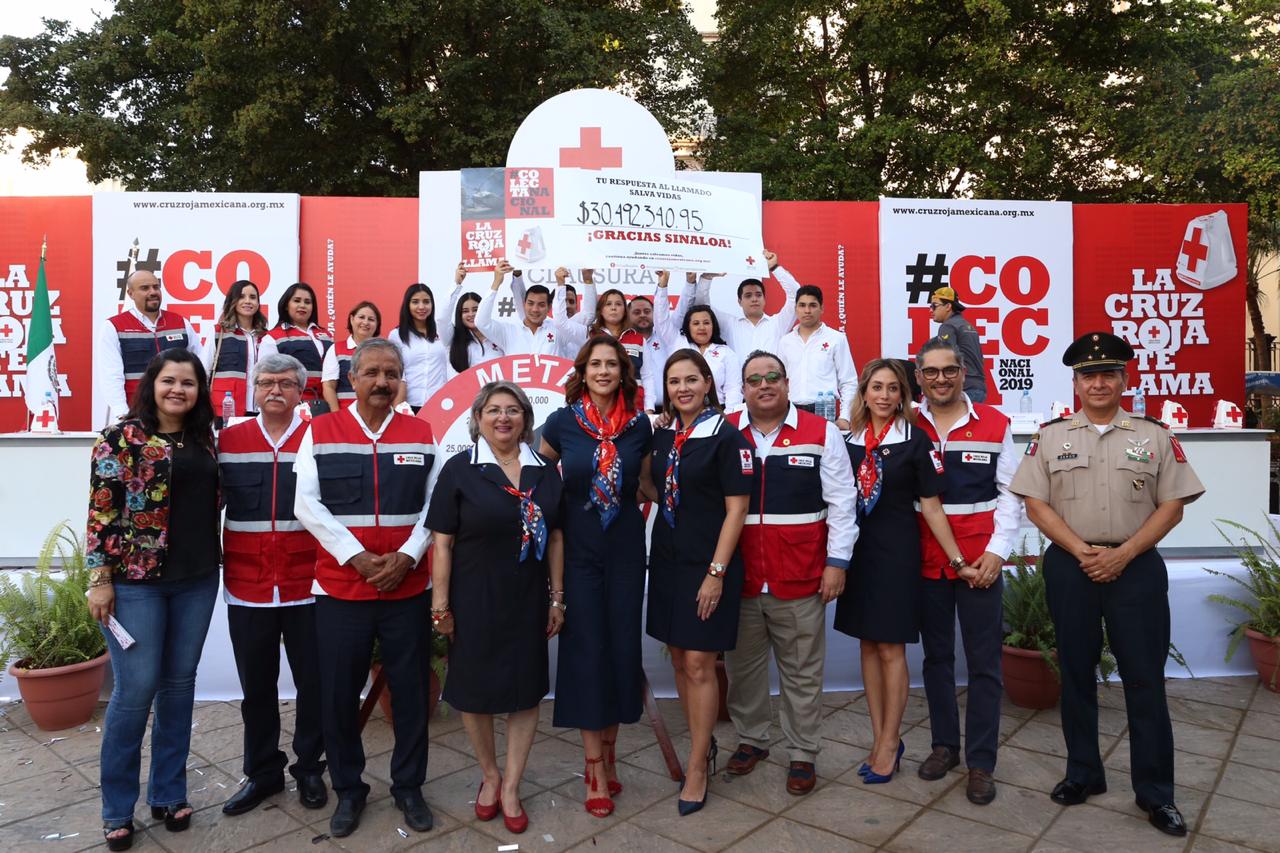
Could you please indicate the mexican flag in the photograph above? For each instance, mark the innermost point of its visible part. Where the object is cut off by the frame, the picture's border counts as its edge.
(42, 365)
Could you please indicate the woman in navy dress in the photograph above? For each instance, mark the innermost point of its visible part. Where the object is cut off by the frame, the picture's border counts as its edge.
(603, 445)
(894, 466)
(499, 553)
(700, 476)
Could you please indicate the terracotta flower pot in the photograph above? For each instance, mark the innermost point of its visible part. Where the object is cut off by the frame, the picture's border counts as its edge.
(1266, 657)
(61, 697)
(1028, 679)
(384, 698)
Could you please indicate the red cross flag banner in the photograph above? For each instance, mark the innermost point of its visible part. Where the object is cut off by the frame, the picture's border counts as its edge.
(198, 244)
(1169, 279)
(1010, 265)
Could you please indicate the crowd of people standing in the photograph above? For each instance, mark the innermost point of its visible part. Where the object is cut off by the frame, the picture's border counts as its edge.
(902, 512)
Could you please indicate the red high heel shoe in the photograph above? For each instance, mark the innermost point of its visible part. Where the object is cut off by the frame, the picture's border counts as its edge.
(490, 811)
(615, 787)
(597, 806)
(517, 824)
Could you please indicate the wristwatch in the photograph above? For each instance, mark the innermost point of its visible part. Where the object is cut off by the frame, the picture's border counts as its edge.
(956, 563)
(717, 570)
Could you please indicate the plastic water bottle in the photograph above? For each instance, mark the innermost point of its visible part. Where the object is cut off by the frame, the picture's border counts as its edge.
(828, 405)
(820, 405)
(228, 408)
(1024, 405)
(1139, 402)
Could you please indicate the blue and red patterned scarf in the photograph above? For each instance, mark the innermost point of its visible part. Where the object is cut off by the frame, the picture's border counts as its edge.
(871, 470)
(533, 526)
(671, 497)
(608, 476)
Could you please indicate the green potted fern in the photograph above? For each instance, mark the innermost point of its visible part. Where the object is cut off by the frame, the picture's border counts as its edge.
(1261, 627)
(1029, 656)
(57, 651)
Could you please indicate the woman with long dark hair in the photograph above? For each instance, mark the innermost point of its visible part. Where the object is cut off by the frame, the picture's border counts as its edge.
(602, 443)
(152, 546)
(467, 344)
(239, 341)
(364, 321)
(297, 333)
(701, 484)
(424, 353)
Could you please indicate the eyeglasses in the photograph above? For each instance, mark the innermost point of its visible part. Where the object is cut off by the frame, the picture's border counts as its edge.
(497, 411)
(936, 305)
(285, 384)
(951, 371)
(773, 377)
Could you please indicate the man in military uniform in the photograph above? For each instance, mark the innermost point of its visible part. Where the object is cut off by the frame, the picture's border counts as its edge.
(958, 332)
(1104, 486)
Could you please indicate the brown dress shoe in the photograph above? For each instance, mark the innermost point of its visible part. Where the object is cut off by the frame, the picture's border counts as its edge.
(938, 764)
(801, 777)
(745, 758)
(982, 788)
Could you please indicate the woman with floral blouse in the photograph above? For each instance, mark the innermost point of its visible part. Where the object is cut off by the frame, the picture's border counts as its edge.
(153, 548)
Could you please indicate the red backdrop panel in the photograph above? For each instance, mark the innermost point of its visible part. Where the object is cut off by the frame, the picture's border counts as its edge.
(355, 249)
(1189, 340)
(65, 222)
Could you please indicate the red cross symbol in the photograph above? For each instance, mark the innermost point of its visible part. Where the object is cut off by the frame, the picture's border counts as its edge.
(826, 345)
(551, 336)
(400, 459)
(525, 243)
(751, 262)
(1180, 417)
(590, 154)
(1195, 250)
(44, 418)
(7, 328)
(968, 457)
(1154, 333)
(1234, 415)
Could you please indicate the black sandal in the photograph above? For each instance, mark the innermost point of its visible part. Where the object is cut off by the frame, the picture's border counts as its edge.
(121, 842)
(168, 815)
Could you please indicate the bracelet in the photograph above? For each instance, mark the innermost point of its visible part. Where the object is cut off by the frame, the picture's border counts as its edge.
(439, 616)
(559, 605)
(556, 591)
(100, 580)
(717, 570)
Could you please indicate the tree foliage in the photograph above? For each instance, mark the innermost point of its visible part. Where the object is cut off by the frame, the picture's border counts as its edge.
(1163, 100)
(329, 96)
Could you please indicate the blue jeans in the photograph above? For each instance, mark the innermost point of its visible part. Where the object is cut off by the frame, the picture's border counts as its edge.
(169, 620)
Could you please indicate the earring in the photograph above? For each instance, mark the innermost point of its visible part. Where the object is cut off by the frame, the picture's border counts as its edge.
(706, 400)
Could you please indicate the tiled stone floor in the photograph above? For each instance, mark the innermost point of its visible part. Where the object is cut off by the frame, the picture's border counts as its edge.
(1227, 732)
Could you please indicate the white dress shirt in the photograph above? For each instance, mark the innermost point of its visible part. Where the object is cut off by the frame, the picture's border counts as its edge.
(275, 591)
(108, 365)
(329, 533)
(837, 487)
(259, 347)
(515, 338)
(822, 363)
(329, 368)
(1008, 518)
(424, 365)
(745, 336)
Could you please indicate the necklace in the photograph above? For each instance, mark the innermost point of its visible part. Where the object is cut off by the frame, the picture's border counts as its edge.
(515, 458)
(178, 440)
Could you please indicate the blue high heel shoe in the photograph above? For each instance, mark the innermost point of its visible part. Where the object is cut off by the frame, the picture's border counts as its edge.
(688, 807)
(871, 777)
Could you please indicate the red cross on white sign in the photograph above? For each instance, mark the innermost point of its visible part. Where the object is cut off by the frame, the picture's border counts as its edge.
(44, 418)
(525, 244)
(7, 328)
(1180, 417)
(590, 154)
(1234, 414)
(1195, 249)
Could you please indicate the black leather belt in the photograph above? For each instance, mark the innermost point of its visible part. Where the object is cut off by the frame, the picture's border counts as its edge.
(1104, 544)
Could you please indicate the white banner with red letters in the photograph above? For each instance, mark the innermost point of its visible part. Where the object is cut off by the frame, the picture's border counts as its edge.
(1010, 264)
(198, 244)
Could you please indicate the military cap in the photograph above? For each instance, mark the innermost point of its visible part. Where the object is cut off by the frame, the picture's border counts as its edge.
(1094, 352)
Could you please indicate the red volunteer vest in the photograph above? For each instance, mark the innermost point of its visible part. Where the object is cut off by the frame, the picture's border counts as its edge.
(263, 544)
(374, 489)
(346, 393)
(138, 344)
(784, 540)
(969, 467)
(231, 369)
(293, 341)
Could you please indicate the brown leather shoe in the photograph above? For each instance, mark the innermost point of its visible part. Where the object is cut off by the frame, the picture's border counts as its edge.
(938, 764)
(982, 788)
(801, 777)
(745, 758)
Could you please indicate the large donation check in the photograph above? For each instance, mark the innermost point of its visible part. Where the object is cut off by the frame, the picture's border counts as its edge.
(581, 218)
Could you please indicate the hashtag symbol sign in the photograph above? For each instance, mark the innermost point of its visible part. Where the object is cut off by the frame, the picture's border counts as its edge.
(925, 277)
(506, 306)
(151, 264)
